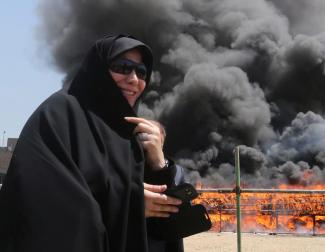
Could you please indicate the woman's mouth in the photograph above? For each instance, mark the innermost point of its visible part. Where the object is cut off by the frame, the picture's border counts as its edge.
(128, 92)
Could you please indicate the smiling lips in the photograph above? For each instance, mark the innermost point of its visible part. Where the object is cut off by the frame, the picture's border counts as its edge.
(128, 92)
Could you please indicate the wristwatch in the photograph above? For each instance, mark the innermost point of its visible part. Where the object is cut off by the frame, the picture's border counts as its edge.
(166, 163)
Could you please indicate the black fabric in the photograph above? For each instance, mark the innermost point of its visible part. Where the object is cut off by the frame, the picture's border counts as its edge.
(165, 246)
(75, 182)
(190, 220)
(171, 176)
(163, 176)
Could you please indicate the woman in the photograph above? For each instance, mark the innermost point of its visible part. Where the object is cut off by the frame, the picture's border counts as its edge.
(75, 182)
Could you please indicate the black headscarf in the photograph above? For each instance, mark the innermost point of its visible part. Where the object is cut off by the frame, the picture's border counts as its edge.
(95, 88)
(75, 182)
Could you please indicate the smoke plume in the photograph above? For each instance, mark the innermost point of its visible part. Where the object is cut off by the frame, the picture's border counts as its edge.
(226, 73)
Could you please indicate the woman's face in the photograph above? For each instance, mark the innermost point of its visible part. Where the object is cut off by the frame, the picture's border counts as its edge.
(131, 84)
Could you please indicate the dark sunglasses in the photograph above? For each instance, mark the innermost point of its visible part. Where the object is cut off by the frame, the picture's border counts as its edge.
(126, 66)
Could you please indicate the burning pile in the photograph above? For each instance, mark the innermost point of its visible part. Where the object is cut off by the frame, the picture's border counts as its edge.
(268, 212)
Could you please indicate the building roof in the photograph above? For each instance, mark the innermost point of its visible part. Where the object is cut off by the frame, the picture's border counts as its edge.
(5, 157)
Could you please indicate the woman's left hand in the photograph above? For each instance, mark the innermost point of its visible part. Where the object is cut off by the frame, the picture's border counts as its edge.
(158, 204)
(150, 137)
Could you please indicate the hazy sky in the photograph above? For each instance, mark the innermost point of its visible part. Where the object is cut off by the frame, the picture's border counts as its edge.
(26, 79)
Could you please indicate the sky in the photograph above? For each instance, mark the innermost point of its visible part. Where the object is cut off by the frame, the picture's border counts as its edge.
(26, 77)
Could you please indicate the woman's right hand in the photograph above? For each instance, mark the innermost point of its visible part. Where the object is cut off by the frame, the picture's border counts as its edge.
(158, 204)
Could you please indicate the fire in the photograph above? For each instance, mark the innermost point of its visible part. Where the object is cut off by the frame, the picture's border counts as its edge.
(268, 212)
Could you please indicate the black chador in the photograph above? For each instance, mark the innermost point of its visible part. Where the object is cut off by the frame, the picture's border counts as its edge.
(75, 182)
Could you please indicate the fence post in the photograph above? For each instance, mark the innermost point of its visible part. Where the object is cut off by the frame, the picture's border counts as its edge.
(220, 220)
(314, 224)
(237, 188)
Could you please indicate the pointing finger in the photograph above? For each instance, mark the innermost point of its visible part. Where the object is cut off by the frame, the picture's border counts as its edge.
(138, 120)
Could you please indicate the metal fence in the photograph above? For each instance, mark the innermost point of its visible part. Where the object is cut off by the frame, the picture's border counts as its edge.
(266, 214)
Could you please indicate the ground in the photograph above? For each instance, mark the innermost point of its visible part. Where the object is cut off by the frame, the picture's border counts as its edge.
(227, 242)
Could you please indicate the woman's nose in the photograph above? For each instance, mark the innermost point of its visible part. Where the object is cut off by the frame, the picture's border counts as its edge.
(133, 78)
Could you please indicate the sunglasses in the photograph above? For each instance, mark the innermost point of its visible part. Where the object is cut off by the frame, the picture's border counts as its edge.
(126, 66)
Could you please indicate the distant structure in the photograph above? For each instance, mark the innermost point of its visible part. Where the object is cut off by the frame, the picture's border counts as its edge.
(5, 156)
(11, 143)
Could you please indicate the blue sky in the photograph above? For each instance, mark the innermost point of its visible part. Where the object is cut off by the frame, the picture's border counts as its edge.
(26, 79)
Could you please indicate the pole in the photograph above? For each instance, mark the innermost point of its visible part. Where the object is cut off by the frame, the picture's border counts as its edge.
(220, 220)
(3, 138)
(314, 224)
(238, 213)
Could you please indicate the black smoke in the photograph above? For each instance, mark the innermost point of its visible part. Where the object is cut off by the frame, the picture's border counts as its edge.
(227, 73)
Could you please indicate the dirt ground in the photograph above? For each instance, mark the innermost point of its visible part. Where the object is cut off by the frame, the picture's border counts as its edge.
(227, 242)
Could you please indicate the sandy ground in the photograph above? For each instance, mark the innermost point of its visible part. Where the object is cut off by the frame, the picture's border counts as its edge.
(227, 242)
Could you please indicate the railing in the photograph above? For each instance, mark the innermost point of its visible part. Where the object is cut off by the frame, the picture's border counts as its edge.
(242, 190)
(265, 214)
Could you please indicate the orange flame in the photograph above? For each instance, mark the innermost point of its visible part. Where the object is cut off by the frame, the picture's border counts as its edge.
(268, 212)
